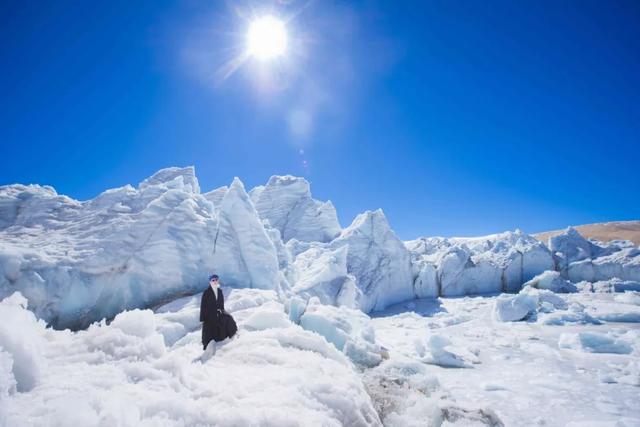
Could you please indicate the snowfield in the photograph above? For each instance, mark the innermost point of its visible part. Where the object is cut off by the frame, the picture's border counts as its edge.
(434, 362)
(352, 326)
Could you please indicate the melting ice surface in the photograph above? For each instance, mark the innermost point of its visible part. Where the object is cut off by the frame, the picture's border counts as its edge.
(330, 327)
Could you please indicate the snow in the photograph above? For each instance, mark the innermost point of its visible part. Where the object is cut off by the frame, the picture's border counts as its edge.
(21, 341)
(145, 367)
(514, 368)
(123, 373)
(329, 325)
(629, 297)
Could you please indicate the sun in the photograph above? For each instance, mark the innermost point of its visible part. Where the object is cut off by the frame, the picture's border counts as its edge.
(267, 38)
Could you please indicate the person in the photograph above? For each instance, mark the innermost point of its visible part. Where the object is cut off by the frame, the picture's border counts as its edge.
(217, 323)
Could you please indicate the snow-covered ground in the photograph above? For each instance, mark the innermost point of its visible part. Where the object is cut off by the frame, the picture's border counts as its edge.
(432, 362)
(143, 369)
(527, 372)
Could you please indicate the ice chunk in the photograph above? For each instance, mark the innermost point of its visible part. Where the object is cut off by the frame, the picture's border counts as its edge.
(295, 307)
(347, 329)
(322, 272)
(623, 264)
(570, 246)
(552, 281)
(435, 353)
(510, 308)
(594, 343)
(243, 253)
(378, 260)
(287, 204)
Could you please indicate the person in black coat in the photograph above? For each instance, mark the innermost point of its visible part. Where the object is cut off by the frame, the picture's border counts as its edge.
(217, 324)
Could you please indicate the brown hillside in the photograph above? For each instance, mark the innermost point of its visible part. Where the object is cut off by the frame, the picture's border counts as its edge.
(605, 231)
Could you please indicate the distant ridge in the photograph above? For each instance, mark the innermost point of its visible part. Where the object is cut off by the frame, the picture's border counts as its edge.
(603, 231)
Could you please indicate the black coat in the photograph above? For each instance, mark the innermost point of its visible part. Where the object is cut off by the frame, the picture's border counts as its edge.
(217, 323)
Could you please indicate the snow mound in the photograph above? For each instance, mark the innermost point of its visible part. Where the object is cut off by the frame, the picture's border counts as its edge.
(270, 315)
(123, 373)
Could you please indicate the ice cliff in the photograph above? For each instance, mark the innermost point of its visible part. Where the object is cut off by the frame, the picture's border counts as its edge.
(135, 247)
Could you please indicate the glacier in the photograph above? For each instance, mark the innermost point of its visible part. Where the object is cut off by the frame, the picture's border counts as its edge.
(77, 262)
(433, 331)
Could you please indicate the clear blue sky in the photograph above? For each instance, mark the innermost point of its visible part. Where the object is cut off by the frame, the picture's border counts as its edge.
(455, 117)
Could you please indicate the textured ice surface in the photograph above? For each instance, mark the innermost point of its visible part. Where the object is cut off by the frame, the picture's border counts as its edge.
(552, 281)
(137, 247)
(488, 264)
(287, 204)
(127, 374)
(129, 247)
(517, 367)
(347, 329)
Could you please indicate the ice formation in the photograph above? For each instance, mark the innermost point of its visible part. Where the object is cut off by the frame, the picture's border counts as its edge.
(136, 247)
(287, 204)
(78, 262)
(461, 266)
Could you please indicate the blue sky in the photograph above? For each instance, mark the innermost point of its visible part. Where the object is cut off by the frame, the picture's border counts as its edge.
(455, 117)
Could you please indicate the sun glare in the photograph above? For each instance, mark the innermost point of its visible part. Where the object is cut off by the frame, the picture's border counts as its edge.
(267, 38)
